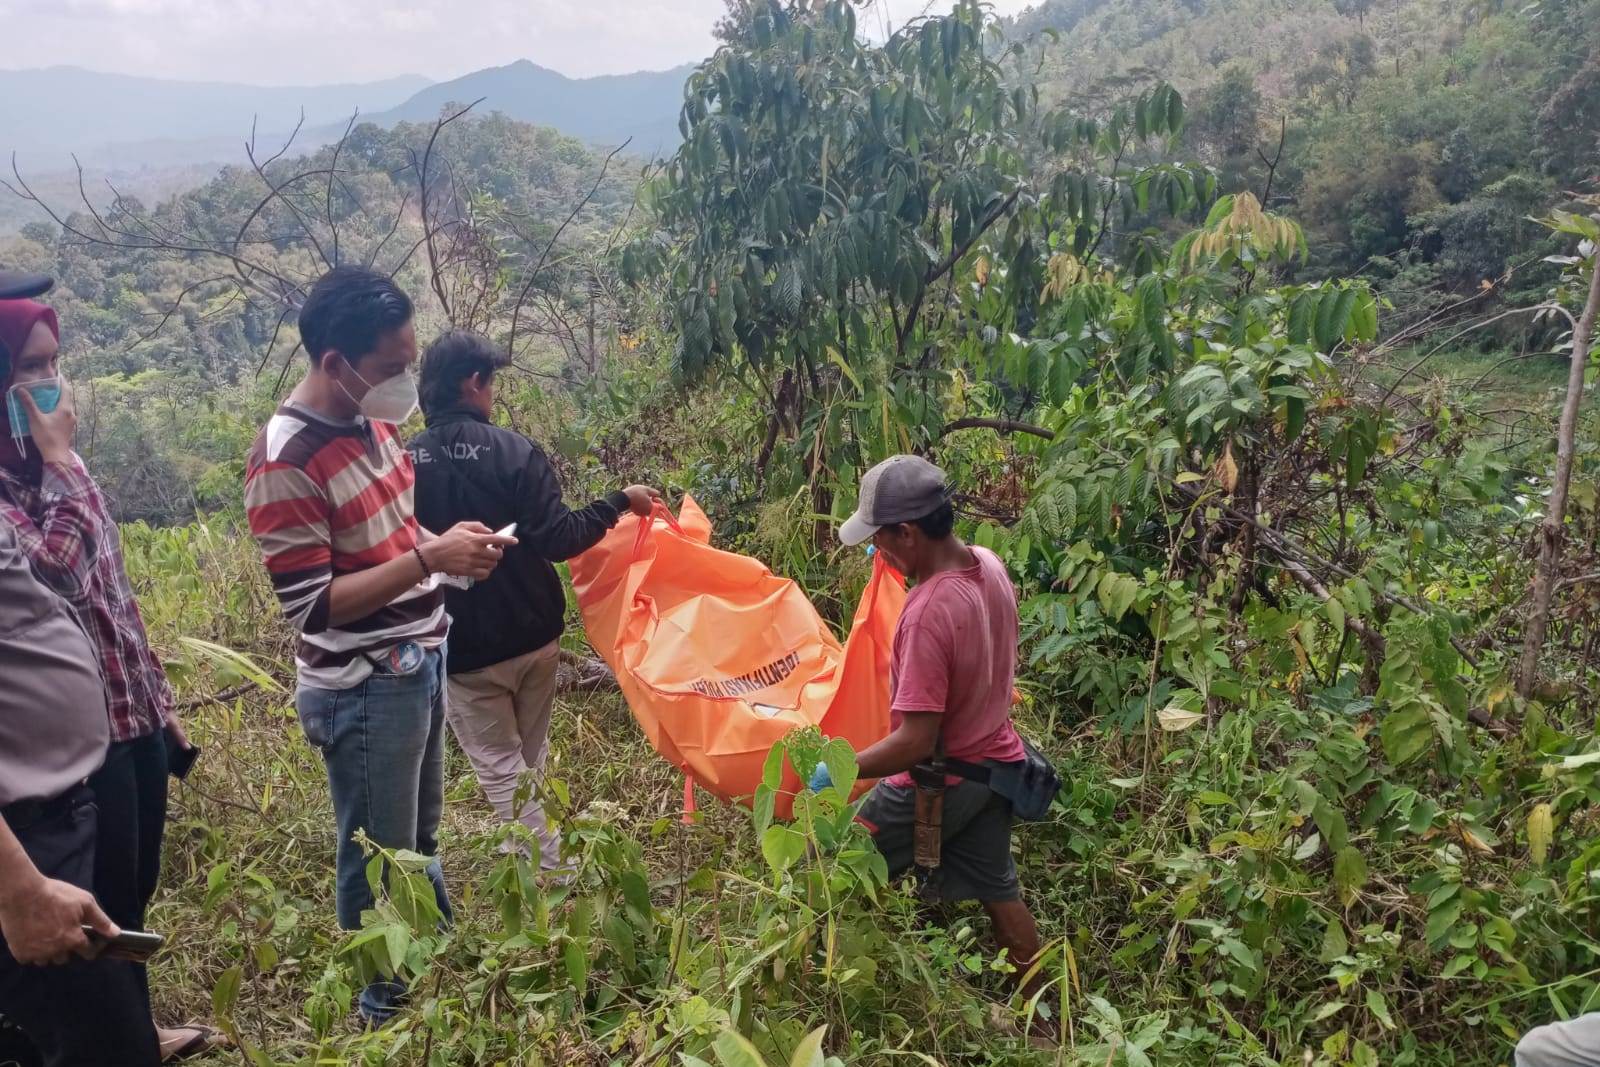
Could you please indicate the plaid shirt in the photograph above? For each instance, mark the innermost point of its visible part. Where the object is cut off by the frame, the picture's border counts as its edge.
(71, 541)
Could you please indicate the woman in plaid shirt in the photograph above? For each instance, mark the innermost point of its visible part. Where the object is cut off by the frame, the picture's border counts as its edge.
(66, 530)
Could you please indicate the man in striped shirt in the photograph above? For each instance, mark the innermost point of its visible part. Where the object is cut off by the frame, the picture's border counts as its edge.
(328, 492)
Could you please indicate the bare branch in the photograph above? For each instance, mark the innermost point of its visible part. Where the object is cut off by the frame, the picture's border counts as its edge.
(277, 191)
(333, 172)
(421, 167)
(1000, 425)
(1277, 157)
(399, 217)
(173, 310)
(527, 286)
(1462, 333)
(938, 270)
(273, 342)
(120, 237)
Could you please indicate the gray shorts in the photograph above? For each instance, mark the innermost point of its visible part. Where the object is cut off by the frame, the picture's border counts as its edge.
(975, 855)
(1574, 1043)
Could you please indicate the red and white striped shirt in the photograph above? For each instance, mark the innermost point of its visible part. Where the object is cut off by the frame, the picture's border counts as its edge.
(327, 497)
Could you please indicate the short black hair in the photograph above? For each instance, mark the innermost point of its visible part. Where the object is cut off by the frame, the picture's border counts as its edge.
(453, 358)
(938, 524)
(349, 309)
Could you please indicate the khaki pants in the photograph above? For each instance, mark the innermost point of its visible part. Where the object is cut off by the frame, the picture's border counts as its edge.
(501, 717)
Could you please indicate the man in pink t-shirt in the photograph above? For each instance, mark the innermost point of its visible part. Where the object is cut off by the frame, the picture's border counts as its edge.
(952, 669)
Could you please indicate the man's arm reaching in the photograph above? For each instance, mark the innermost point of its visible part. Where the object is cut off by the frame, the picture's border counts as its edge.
(904, 748)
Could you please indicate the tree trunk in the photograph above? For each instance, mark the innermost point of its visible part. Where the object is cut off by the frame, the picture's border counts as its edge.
(1552, 532)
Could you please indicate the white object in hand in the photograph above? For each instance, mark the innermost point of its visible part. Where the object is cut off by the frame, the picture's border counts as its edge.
(508, 530)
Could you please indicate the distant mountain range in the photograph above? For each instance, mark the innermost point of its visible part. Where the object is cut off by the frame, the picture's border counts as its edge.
(604, 111)
(151, 137)
(123, 120)
(124, 123)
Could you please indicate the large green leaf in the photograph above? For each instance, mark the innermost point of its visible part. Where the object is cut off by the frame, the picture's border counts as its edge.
(735, 1051)
(1349, 873)
(1116, 593)
(1406, 734)
(577, 965)
(1334, 942)
(772, 768)
(787, 291)
(1331, 823)
(225, 992)
(841, 761)
(782, 846)
(809, 1052)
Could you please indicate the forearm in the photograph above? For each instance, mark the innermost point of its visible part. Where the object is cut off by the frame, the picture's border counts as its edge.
(355, 596)
(571, 533)
(900, 751)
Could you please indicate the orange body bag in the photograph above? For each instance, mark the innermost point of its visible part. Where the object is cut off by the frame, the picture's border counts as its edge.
(719, 658)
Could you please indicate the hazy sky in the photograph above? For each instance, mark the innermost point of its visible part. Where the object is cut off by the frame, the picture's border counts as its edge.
(295, 42)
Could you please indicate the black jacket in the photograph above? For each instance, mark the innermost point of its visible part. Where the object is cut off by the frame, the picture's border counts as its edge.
(467, 469)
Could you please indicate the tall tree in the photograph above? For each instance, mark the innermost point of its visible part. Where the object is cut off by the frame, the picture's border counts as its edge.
(837, 207)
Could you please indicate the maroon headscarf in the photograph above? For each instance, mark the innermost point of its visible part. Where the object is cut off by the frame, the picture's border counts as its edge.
(17, 320)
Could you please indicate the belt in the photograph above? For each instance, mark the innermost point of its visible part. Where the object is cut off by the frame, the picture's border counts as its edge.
(22, 814)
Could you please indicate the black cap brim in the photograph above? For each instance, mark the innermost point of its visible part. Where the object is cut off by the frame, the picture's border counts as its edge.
(18, 286)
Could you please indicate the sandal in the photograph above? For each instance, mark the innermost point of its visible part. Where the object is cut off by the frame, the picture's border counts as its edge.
(204, 1040)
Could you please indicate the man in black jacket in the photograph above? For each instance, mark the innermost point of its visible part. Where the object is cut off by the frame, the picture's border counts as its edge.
(504, 637)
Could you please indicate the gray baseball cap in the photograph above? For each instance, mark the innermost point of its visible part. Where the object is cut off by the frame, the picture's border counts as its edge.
(900, 489)
(15, 285)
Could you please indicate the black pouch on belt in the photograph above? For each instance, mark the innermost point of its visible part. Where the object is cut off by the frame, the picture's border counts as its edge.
(928, 831)
(1030, 783)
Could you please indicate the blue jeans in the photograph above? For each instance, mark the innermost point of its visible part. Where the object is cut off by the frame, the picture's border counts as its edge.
(383, 744)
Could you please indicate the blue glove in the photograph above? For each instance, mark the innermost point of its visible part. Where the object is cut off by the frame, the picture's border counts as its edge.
(821, 778)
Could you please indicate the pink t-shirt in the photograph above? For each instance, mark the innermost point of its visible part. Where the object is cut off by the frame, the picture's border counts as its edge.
(955, 652)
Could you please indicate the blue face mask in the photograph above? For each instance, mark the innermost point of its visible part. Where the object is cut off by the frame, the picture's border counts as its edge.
(46, 395)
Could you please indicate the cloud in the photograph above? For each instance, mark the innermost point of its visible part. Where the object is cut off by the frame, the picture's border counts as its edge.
(290, 42)
(320, 41)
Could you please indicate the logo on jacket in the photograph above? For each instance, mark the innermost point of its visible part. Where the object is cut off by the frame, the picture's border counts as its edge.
(461, 450)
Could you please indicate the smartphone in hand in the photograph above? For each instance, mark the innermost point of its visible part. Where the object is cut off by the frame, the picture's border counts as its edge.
(180, 760)
(134, 945)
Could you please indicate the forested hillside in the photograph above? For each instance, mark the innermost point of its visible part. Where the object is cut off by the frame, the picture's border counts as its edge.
(1415, 140)
(1417, 135)
(179, 354)
(1254, 337)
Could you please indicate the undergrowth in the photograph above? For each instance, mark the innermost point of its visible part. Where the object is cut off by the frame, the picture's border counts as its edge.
(1256, 886)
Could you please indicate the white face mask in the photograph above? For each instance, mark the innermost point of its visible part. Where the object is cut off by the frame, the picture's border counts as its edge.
(391, 400)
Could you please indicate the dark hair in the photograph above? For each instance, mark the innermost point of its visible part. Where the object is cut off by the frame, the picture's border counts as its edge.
(453, 358)
(939, 524)
(349, 309)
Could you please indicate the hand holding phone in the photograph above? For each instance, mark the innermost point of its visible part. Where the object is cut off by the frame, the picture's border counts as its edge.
(465, 582)
(180, 757)
(134, 945)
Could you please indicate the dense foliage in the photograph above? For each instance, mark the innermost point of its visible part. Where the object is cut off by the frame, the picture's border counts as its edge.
(1273, 567)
